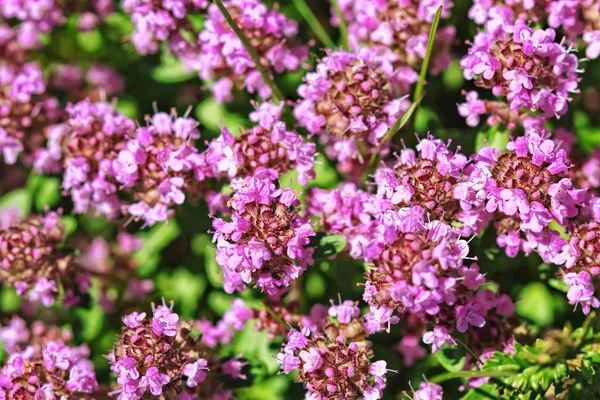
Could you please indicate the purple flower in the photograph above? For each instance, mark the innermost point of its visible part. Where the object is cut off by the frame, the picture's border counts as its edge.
(195, 372)
(438, 337)
(155, 380)
(164, 322)
(468, 315)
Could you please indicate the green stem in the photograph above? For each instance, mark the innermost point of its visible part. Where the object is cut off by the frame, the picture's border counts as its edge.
(342, 22)
(469, 350)
(425, 65)
(399, 124)
(275, 92)
(472, 374)
(314, 23)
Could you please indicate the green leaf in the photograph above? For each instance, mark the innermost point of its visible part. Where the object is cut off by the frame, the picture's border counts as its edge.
(536, 304)
(325, 174)
(70, 224)
(48, 194)
(90, 42)
(276, 94)
(213, 115)
(128, 107)
(423, 74)
(315, 286)
(182, 286)
(453, 77)
(202, 246)
(559, 284)
(154, 240)
(18, 198)
(448, 360)
(327, 245)
(272, 389)
(219, 302)
(10, 301)
(92, 321)
(255, 346)
(495, 138)
(173, 72)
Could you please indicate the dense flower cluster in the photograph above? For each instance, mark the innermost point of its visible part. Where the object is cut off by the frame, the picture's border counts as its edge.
(428, 180)
(524, 65)
(335, 362)
(33, 261)
(266, 242)
(159, 166)
(221, 57)
(268, 145)
(161, 356)
(157, 21)
(26, 112)
(40, 17)
(419, 232)
(86, 147)
(42, 365)
(398, 32)
(350, 103)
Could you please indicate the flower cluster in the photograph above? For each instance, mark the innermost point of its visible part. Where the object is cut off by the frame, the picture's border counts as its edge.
(159, 166)
(428, 179)
(398, 32)
(222, 57)
(335, 362)
(41, 364)
(524, 188)
(26, 112)
(161, 356)
(87, 147)
(268, 145)
(579, 257)
(350, 103)
(578, 19)
(157, 21)
(266, 242)
(33, 19)
(33, 261)
(526, 66)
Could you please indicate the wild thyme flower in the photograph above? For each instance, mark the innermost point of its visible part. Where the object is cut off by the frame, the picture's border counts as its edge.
(33, 261)
(161, 356)
(266, 241)
(398, 31)
(337, 361)
(526, 66)
(268, 145)
(351, 104)
(221, 56)
(158, 165)
(44, 366)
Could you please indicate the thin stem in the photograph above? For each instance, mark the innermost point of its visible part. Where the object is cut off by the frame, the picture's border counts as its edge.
(314, 23)
(472, 374)
(469, 350)
(342, 22)
(425, 65)
(399, 124)
(275, 92)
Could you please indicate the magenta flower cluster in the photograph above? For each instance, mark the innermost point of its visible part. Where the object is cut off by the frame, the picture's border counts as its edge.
(266, 243)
